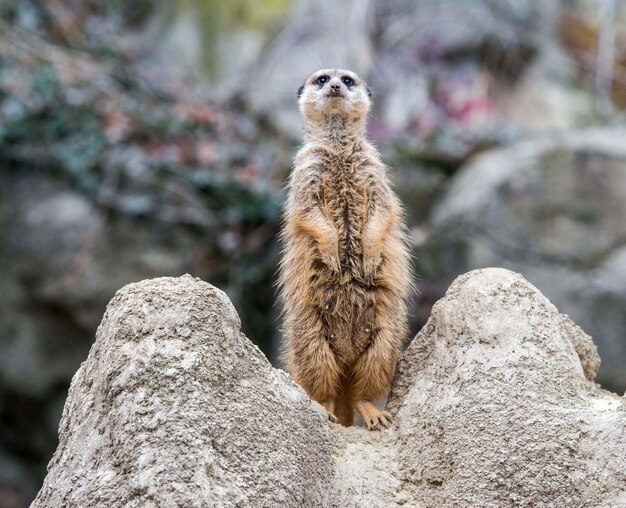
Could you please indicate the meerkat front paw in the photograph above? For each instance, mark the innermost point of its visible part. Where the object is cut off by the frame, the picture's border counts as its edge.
(332, 262)
(329, 255)
(371, 263)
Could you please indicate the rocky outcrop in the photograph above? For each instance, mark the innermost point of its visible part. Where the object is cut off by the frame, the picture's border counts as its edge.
(492, 402)
(493, 408)
(553, 209)
(175, 407)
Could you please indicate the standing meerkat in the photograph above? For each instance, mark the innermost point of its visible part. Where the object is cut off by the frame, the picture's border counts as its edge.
(345, 270)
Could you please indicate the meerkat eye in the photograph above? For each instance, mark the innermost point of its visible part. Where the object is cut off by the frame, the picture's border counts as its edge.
(322, 80)
(347, 80)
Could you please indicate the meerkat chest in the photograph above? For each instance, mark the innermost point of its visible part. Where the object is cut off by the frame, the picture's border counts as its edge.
(346, 195)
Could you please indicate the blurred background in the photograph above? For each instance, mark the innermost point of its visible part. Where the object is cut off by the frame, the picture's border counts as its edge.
(143, 139)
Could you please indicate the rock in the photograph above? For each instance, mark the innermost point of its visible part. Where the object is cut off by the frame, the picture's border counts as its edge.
(66, 262)
(543, 98)
(180, 409)
(553, 209)
(365, 468)
(492, 407)
(61, 260)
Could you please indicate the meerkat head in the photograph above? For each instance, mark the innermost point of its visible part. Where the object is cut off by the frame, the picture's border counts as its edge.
(334, 93)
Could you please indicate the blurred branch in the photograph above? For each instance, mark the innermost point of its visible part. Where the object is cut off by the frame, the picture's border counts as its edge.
(191, 216)
(606, 57)
(72, 65)
(66, 21)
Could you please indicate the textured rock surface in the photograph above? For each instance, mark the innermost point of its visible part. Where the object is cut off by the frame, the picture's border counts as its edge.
(493, 409)
(175, 407)
(553, 209)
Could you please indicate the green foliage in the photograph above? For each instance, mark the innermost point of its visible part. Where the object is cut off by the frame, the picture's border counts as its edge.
(78, 154)
(239, 203)
(155, 157)
(44, 83)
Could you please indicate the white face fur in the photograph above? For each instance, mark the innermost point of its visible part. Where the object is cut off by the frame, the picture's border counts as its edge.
(334, 92)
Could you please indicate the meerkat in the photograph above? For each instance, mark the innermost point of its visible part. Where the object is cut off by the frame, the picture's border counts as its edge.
(345, 268)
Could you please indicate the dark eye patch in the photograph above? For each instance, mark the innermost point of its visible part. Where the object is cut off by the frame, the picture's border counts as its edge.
(347, 80)
(322, 80)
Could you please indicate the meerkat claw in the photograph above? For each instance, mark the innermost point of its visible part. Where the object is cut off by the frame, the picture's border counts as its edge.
(379, 422)
(329, 304)
(373, 418)
(385, 419)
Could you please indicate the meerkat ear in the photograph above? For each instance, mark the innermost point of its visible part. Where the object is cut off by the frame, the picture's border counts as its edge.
(300, 90)
(369, 92)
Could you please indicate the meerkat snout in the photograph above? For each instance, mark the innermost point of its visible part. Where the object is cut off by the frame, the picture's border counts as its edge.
(335, 88)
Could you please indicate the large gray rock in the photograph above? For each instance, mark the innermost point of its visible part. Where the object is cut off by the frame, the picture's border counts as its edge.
(552, 208)
(492, 402)
(493, 408)
(61, 260)
(175, 407)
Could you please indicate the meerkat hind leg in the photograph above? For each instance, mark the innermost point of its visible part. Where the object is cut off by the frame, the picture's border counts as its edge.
(372, 375)
(315, 369)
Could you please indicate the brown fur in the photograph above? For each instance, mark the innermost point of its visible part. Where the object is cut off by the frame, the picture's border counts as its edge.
(345, 270)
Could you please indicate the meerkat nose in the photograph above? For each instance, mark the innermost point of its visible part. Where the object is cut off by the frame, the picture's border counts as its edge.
(335, 84)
